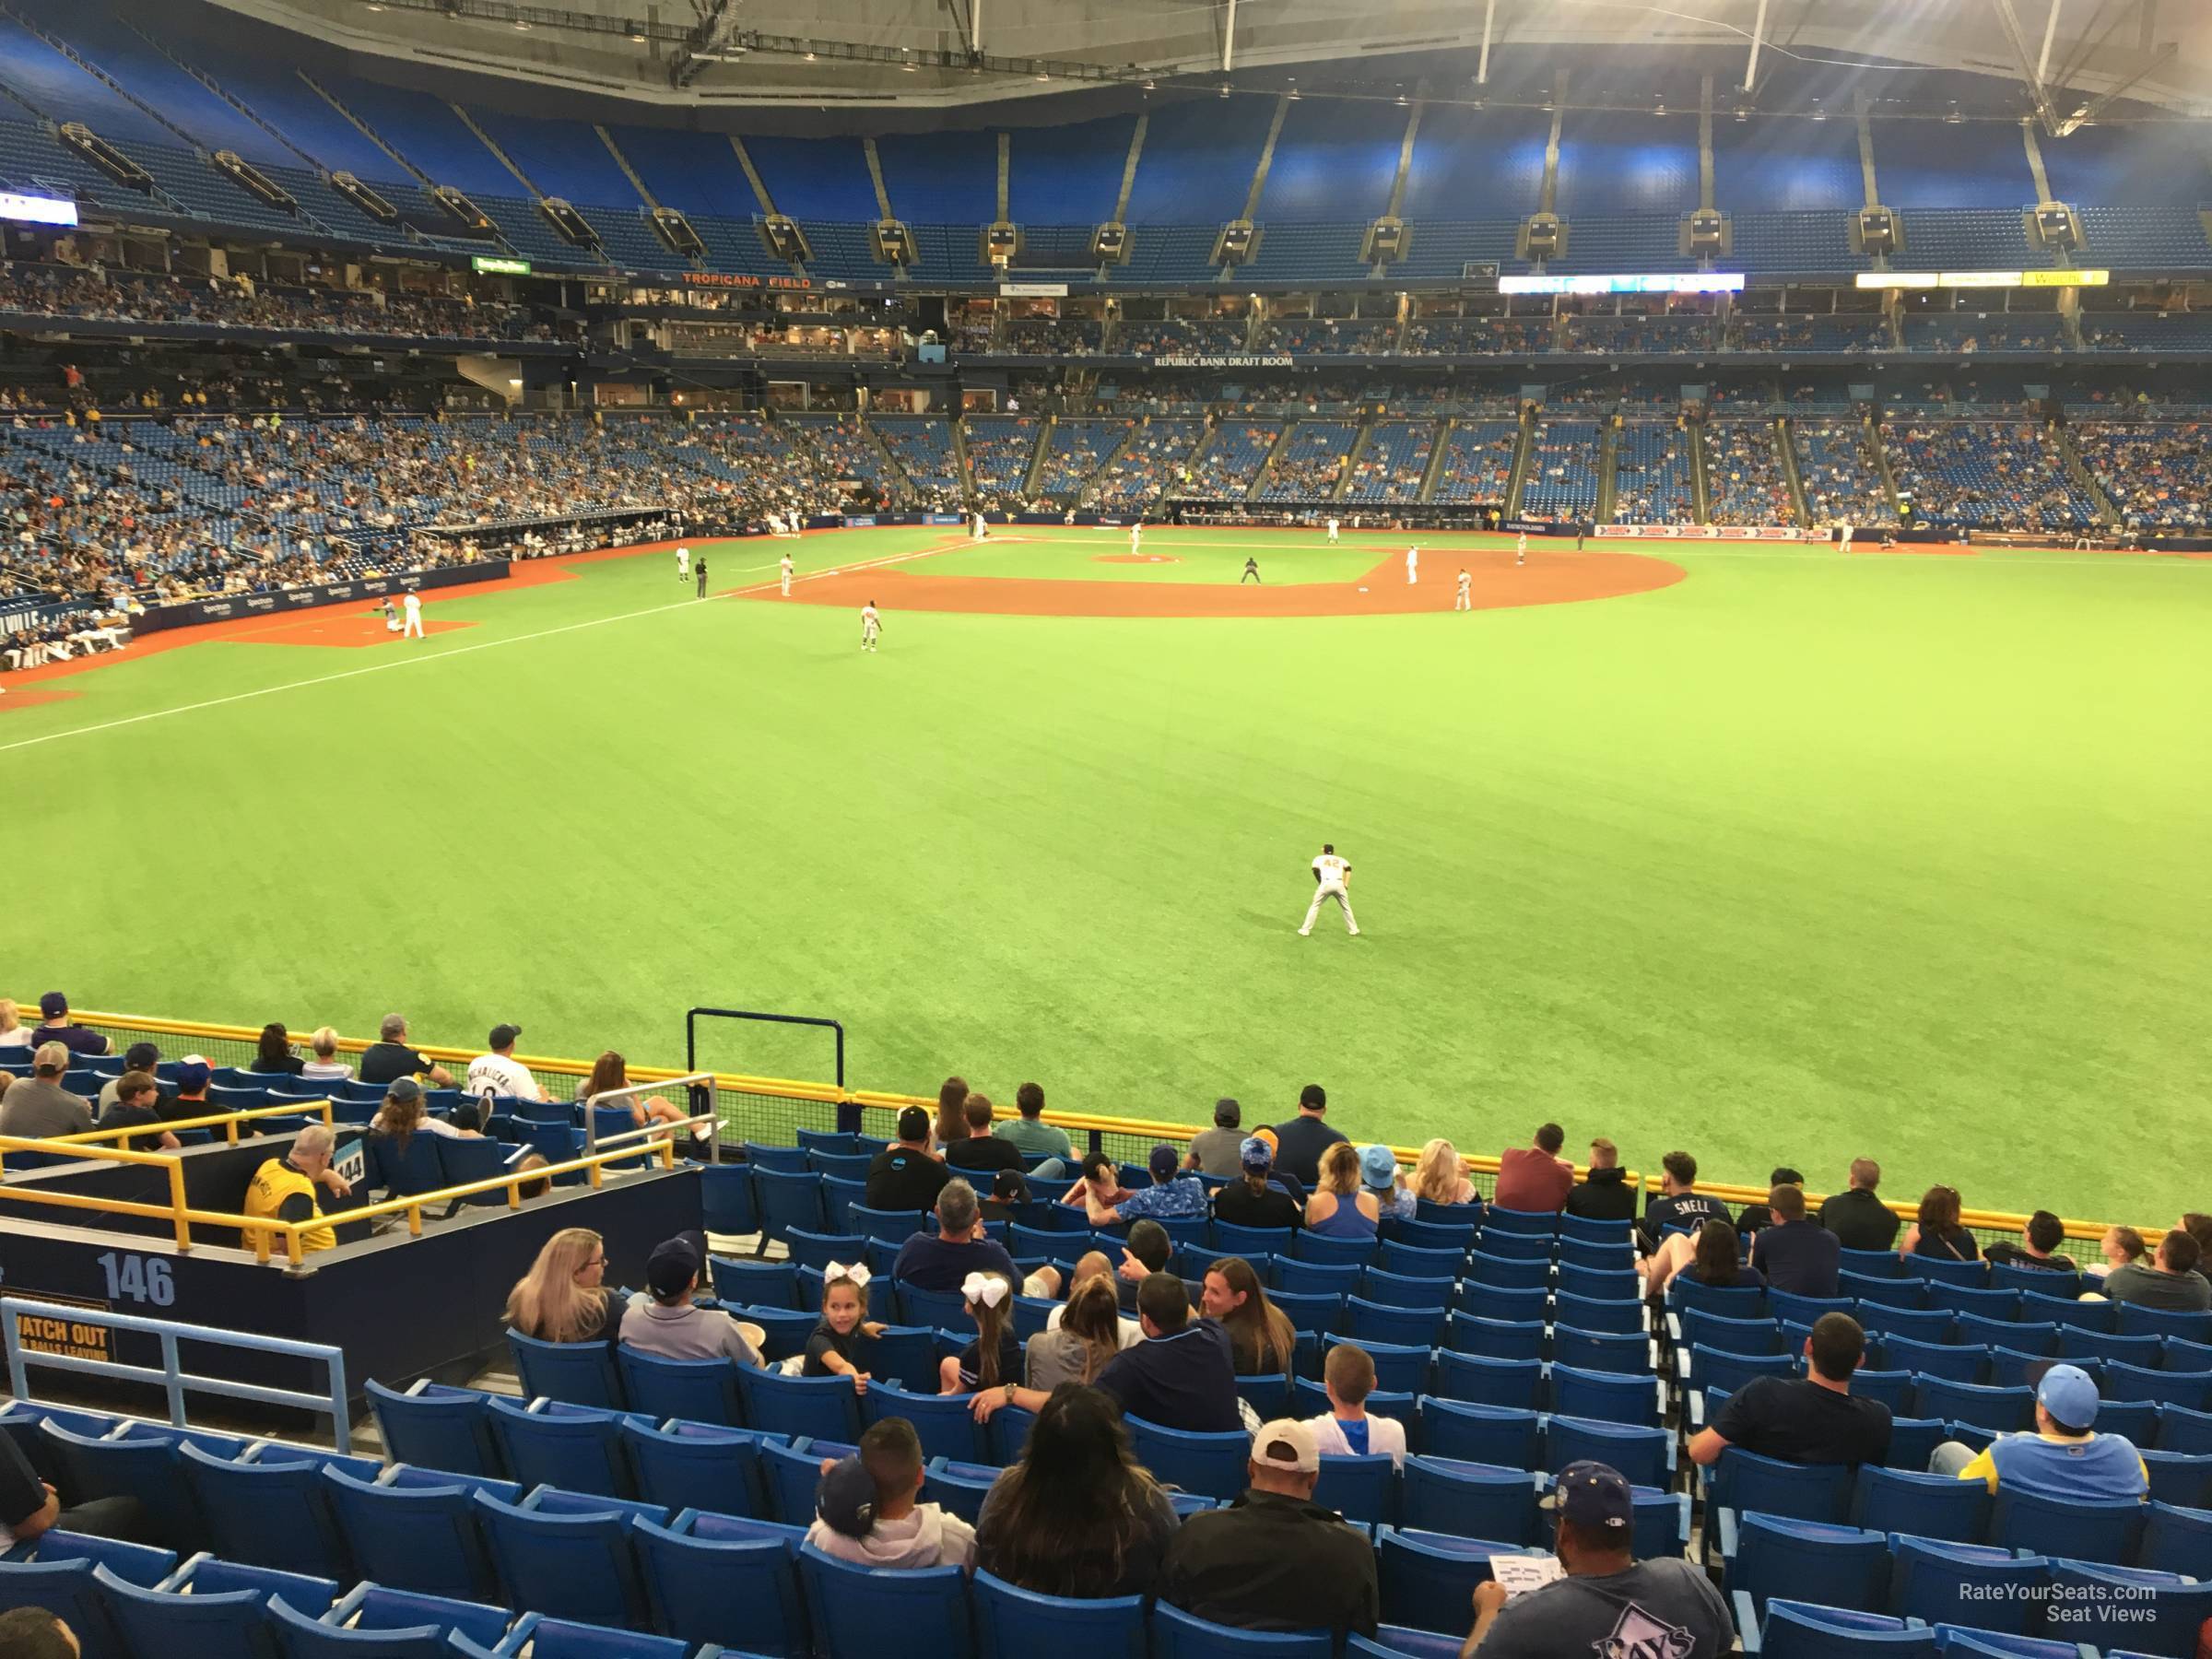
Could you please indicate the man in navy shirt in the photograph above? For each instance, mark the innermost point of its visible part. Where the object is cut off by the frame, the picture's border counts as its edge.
(55, 1026)
(1182, 1375)
(960, 1247)
(1797, 1255)
(1300, 1142)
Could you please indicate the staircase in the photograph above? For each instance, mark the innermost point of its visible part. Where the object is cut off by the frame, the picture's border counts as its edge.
(1274, 454)
(1523, 455)
(893, 467)
(1700, 488)
(1786, 446)
(1881, 461)
(1197, 455)
(1083, 492)
(1030, 478)
(1608, 469)
(962, 476)
(2079, 470)
(1351, 456)
(1436, 462)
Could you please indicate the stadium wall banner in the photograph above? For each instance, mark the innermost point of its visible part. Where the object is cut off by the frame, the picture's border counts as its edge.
(1539, 527)
(1233, 359)
(1033, 290)
(227, 607)
(1711, 533)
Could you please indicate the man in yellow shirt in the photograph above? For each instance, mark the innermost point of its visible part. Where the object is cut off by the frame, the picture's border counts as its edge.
(285, 1188)
(2063, 1455)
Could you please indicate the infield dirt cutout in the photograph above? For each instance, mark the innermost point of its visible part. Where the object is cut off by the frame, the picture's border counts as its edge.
(1497, 583)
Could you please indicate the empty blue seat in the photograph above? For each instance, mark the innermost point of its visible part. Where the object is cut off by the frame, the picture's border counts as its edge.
(1369, 1322)
(1604, 1396)
(1999, 1410)
(1497, 1338)
(755, 1284)
(891, 1227)
(1509, 1273)
(2077, 1344)
(274, 1512)
(945, 1423)
(700, 1390)
(1973, 1272)
(1486, 1382)
(2041, 1281)
(2181, 1429)
(1913, 1440)
(909, 1615)
(576, 1448)
(789, 1198)
(1307, 1246)
(1801, 1631)
(1438, 1225)
(1927, 1360)
(1643, 1456)
(2135, 1320)
(2113, 1602)
(1013, 1623)
(300, 1637)
(66, 1589)
(1314, 1278)
(1428, 1578)
(1412, 1261)
(420, 1539)
(1502, 1303)
(1627, 1355)
(2046, 1524)
(932, 1310)
(140, 1465)
(1732, 1302)
(1745, 1482)
(733, 1592)
(1362, 1489)
(577, 1566)
(1835, 1566)
(373, 1606)
(1317, 1313)
(1213, 1464)
(692, 1465)
(1916, 1325)
(726, 1200)
(1500, 1436)
(2176, 1540)
(2067, 1310)
(1913, 1501)
(1516, 1246)
(1447, 1495)
(1180, 1635)
(2192, 1391)
(565, 1639)
(784, 1330)
(1256, 1244)
(577, 1373)
(1430, 1295)
(791, 1406)
(1616, 1316)
(1947, 1581)
(1888, 1292)
(1727, 1372)
(2042, 1339)
(1805, 1310)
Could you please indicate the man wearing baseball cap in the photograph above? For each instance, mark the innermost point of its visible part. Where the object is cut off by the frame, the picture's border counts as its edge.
(2063, 1456)
(1252, 1199)
(55, 1026)
(666, 1323)
(1172, 1195)
(1274, 1559)
(1609, 1602)
(907, 1176)
(499, 1072)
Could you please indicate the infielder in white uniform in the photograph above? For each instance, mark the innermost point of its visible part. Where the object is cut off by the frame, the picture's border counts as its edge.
(1846, 535)
(980, 529)
(1413, 565)
(1332, 876)
(1521, 549)
(1332, 530)
(1137, 535)
(871, 626)
(1465, 601)
(413, 606)
(683, 564)
(785, 568)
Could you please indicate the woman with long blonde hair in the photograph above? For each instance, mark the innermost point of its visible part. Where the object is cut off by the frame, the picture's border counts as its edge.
(1341, 1207)
(562, 1297)
(1440, 1176)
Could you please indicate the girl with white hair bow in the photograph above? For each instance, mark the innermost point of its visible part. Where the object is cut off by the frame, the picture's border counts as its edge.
(844, 1342)
(994, 1358)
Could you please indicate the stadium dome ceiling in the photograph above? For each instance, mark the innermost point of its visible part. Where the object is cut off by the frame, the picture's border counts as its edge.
(2065, 60)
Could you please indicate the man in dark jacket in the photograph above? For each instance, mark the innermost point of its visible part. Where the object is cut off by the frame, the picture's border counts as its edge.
(1858, 1218)
(1275, 1559)
(1604, 1194)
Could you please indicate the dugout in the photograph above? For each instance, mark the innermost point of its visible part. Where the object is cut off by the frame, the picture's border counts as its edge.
(399, 1303)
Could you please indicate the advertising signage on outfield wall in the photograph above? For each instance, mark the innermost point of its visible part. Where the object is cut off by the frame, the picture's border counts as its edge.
(37, 209)
(1695, 282)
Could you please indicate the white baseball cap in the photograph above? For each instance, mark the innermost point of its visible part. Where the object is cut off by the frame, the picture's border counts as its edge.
(1288, 1445)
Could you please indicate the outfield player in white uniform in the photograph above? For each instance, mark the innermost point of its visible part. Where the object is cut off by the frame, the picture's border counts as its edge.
(785, 568)
(683, 562)
(1332, 530)
(980, 529)
(1413, 565)
(1846, 535)
(412, 604)
(1332, 876)
(871, 626)
(1521, 549)
(1465, 601)
(1137, 536)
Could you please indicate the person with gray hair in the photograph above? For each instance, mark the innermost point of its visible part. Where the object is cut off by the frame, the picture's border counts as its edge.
(943, 1261)
(286, 1189)
(1216, 1151)
(391, 1055)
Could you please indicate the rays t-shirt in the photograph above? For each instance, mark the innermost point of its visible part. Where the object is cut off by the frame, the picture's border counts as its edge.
(1657, 1606)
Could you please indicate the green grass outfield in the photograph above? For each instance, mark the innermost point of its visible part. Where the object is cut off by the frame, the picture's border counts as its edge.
(1801, 857)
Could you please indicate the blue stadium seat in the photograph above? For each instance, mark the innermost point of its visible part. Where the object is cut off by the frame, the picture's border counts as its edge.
(1802, 1631)
(755, 1284)
(1412, 1261)
(1428, 1578)
(1446, 1495)
(932, 1310)
(1627, 1354)
(1613, 1285)
(576, 1373)
(1256, 1244)
(1726, 1373)
(1915, 1325)
(1268, 1395)
(1500, 1436)
(1805, 1310)
(1013, 1623)
(1999, 1410)
(1481, 1381)
(274, 1512)
(1946, 1582)
(1730, 1301)
(793, 1407)
(1978, 1331)
(576, 1566)
(1883, 1290)
(701, 1390)
(1503, 1303)
(1506, 1272)
(2067, 1310)
(1213, 1464)
(737, 1592)
(2136, 1320)
(1369, 1322)
(945, 1423)
(64, 1588)
(726, 1200)
(918, 1614)
(829, 1140)
(1926, 1359)
(140, 1465)
(420, 1539)
(789, 1198)
(2079, 1345)
(373, 1606)
(1589, 1231)
(2041, 1524)
(1320, 1314)
(819, 1250)
(1743, 1482)
(2181, 1429)
(1928, 1506)
(2192, 1391)
(891, 1227)
(576, 1448)
(2115, 1600)
(1643, 1456)
(206, 1624)
(1604, 1396)
(693, 1466)
(1835, 1566)
(1913, 1440)
(1496, 1244)
(1180, 1635)
(1617, 1316)
(2176, 1540)
(1362, 1489)
(1497, 1338)
(792, 1471)
(1306, 1246)
(300, 1637)
(565, 1639)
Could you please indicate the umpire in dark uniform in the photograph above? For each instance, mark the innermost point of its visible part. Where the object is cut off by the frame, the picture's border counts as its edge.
(699, 564)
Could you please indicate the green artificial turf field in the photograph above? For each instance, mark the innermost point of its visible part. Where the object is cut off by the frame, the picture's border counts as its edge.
(1801, 857)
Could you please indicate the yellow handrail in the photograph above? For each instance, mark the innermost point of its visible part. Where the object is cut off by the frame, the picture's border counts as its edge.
(226, 1121)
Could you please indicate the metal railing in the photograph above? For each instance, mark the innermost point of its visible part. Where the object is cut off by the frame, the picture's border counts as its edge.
(171, 1376)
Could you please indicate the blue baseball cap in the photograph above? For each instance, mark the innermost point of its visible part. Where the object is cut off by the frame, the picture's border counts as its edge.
(1593, 1495)
(2068, 1395)
(1377, 1167)
(1255, 1153)
(845, 1497)
(1165, 1162)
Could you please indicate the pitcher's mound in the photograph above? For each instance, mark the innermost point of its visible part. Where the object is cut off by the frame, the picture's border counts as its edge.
(1134, 558)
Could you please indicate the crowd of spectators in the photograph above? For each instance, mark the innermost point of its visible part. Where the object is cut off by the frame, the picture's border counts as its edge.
(1839, 480)
(2157, 477)
(1181, 337)
(1985, 475)
(1155, 460)
(1743, 475)
(1331, 336)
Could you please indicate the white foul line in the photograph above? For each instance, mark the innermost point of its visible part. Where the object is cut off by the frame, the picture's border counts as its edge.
(418, 658)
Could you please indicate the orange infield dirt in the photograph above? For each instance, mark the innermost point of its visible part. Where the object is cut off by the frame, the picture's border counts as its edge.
(1547, 579)
(1134, 558)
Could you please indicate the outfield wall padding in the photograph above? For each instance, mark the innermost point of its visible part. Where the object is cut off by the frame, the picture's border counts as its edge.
(225, 607)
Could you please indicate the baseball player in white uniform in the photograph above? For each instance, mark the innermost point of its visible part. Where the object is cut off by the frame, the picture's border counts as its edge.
(1332, 532)
(1846, 535)
(1521, 549)
(1466, 600)
(980, 529)
(871, 626)
(683, 562)
(1413, 565)
(1137, 535)
(412, 604)
(1332, 876)
(785, 568)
